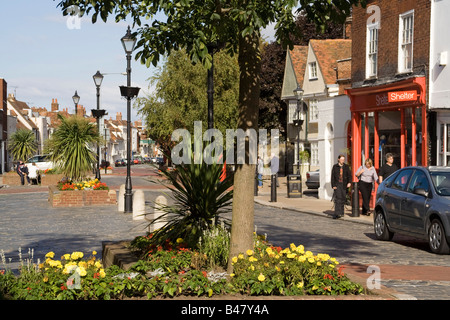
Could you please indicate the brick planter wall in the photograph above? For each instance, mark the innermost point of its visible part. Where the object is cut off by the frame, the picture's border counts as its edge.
(13, 179)
(80, 198)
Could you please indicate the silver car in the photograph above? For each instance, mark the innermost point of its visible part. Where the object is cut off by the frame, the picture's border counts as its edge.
(313, 179)
(415, 201)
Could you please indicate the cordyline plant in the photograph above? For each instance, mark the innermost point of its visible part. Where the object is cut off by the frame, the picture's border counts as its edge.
(202, 28)
(22, 144)
(69, 147)
(199, 197)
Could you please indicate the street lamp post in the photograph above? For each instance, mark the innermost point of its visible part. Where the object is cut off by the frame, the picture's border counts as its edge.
(298, 122)
(98, 78)
(128, 42)
(76, 99)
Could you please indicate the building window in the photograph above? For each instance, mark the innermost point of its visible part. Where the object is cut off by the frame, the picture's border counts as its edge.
(312, 70)
(372, 50)
(314, 153)
(406, 32)
(313, 110)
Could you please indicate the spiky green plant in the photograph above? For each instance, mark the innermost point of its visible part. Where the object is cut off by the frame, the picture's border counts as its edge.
(22, 144)
(70, 147)
(199, 198)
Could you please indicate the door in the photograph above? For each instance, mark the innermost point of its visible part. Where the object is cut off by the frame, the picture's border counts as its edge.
(394, 196)
(414, 206)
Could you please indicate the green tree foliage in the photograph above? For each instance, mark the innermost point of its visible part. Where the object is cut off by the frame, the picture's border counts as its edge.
(22, 144)
(69, 147)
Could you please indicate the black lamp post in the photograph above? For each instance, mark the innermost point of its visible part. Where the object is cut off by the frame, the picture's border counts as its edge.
(128, 42)
(76, 99)
(298, 122)
(98, 78)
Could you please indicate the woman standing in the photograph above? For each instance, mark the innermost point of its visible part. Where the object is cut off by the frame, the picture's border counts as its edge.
(367, 176)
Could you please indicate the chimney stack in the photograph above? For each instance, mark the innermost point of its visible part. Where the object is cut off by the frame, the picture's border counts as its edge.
(55, 105)
(119, 116)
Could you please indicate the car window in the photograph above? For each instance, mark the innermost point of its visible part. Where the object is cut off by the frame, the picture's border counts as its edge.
(441, 181)
(419, 181)
(388, 180)
(401, 180)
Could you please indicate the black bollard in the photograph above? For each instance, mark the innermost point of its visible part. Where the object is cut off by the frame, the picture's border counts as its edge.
(355, 200)
(273, 188)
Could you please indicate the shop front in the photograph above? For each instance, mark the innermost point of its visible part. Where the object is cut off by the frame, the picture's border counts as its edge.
(389, 118)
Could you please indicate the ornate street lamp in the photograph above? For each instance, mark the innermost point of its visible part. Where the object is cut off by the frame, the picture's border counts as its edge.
(98, 78)
(128, 42)
(76, 99)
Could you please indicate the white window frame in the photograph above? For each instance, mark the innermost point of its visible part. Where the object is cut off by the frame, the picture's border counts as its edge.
(312, 70)
(313, 110)
(405, 40)
(372, 36)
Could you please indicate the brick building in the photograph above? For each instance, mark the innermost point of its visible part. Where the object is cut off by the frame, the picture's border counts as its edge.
(390, 63)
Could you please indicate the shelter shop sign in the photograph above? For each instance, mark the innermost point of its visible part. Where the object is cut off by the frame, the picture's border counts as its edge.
(400, 96)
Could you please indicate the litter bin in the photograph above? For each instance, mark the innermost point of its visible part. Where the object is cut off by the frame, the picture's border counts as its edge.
(294, 185)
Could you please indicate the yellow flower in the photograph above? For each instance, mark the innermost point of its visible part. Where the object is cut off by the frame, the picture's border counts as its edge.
(82, 264)
(45, 279)
(66, 256)
(241, 256)
(98, 264)
(300, 284)
(252, 267)
(319, 263)
(300, 249)
(179, 240)
(232, 275)
(311, 260)
(249, 252)
(50, 255)
(94, 253)
(81, 271)
(302, 258)
(261, 277)
(252, 259)
(291, 255)
(293, 247)
(76, 255)
(102, 273)
(277, 268)
(234, 259)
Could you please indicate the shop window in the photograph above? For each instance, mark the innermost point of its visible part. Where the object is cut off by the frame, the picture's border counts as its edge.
(406, 32)
(372, 50)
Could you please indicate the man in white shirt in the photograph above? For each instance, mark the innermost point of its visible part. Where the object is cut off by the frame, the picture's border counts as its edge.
(33, 173)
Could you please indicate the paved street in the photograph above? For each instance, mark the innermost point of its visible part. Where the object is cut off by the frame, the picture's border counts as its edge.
(406, 264)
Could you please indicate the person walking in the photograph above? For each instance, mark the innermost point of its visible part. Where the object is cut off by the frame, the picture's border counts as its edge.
(367, 177)
(340, 182)
(388, 168)
(260, 172)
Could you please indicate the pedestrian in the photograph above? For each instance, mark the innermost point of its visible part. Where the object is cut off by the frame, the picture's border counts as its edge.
(340, 182)
(367, 177)
(274, 166)
(22, 171)
(33, 173)
(388, 168)
(260, 172)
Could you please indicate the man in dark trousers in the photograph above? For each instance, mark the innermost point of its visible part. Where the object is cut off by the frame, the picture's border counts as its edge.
(340, 181)
(22, 171)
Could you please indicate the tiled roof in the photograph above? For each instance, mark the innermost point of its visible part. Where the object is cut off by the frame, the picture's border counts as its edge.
(328, 52)
(299, 55)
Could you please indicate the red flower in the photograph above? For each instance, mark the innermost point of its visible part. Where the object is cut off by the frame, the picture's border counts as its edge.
(205, 274)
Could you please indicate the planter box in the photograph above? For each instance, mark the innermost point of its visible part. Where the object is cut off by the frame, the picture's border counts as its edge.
(80, 198)
(13, 179)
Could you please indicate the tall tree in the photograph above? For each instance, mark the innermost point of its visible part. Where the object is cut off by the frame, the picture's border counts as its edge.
(22, 144)
(234, 25)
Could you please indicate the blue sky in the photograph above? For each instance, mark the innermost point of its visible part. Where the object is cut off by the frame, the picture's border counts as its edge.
(46, 56)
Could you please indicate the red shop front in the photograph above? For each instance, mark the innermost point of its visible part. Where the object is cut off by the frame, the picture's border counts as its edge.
(389, 118)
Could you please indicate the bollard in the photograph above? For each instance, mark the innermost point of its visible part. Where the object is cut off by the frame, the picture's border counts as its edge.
(355, 200)
(138, 205)
(160, 202)
(121, 200)
(273, 188)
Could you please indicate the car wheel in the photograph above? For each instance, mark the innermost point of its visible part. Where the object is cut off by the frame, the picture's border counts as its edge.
(380, 227)
(436, 238)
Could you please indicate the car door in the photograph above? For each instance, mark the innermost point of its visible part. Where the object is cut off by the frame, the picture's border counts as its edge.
(414, 206)
(393, 197)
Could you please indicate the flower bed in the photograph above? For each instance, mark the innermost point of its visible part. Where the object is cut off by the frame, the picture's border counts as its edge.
(86, 193)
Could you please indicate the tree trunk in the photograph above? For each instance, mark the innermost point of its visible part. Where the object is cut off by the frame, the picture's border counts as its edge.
(244, 179)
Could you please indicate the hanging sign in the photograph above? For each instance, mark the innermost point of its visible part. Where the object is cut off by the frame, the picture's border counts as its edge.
(400, 96)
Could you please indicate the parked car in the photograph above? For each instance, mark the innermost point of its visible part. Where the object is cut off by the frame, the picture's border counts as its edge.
(313, 179)
(41, 162)
(415, 201)
(119, 163)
